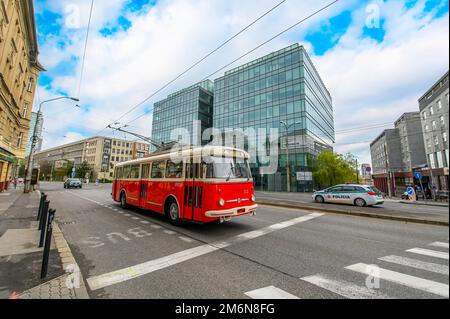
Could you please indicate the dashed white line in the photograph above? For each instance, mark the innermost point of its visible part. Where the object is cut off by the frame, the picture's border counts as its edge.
(135, 218)
(156, 226)
(186, 239)
(344, 288)
(145, 222)
(403, 279)
(169, 232)
(270, 292)
(428, 252)
(439, 244)
(415, 263)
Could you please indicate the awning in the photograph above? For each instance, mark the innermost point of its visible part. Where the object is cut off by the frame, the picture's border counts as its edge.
(7, 156)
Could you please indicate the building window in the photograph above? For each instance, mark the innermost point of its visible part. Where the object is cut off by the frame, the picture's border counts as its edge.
(444, 137)
(431, 110)
(439, 159)
(433, 124)
(25, 110)
(436, 140)
(427, 127)
(30, 85)
(442, 120)
(432, 163)
(19, 139)
(424, 115)
(439, 103)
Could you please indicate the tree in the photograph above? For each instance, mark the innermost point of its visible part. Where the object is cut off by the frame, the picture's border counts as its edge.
(330, 169)
(82, 170)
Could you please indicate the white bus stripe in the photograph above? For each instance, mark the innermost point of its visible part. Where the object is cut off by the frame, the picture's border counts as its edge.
(402, 279)
(344, 288)
(108, 279)
(439, 244)
(428, 252)
(415, 263)
(270, 292)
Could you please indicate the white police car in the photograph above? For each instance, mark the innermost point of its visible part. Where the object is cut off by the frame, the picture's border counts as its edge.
(354, 194)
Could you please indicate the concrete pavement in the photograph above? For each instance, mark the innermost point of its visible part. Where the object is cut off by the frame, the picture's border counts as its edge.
(138, 254)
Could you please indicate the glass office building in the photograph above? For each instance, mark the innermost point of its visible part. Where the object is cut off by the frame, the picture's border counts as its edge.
(181, 109)
(283, 86)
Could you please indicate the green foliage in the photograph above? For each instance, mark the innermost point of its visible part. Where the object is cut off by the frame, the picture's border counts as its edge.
(330, 169)
(82, 170)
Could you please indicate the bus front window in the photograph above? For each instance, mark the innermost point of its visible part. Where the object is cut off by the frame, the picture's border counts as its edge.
(227, 168)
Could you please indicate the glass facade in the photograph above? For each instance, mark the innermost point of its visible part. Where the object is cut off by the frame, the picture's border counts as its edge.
(283, 86)
(181, 109)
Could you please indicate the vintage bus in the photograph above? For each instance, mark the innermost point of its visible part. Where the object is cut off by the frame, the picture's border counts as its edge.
(201, 184)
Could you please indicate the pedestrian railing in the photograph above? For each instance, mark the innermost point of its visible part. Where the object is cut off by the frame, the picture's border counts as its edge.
(45, 216)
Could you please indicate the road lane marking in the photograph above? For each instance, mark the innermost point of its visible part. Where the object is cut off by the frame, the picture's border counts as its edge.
(344, 288)
(117, 276)
(415, 263)
(270, 292)
(402, 279)
(135, 218)
(168, 232)
(186, 239)
(128, 215)
(428, 252)
(439, 244)
(145, 222)
(156, 226)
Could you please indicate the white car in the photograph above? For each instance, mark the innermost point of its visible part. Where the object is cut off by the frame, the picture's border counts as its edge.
(354, 194)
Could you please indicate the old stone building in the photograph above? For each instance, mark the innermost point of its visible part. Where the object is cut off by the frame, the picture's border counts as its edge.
(19, 69)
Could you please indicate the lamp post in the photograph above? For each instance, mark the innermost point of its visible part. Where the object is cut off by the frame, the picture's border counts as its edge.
(27, 180)
(288, 169)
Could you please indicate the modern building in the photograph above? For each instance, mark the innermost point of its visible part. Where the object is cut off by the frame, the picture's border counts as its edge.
(397, 152)
(179, 111)
(19, 69)
(283, 86)
(434, 109)
(101, 153)
(40, 123)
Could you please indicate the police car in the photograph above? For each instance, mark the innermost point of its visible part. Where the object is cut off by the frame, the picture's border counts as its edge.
(355, 194)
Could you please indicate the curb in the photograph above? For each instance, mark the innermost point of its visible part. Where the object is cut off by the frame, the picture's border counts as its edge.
(423, 204)
(68, 261)
(359, 214)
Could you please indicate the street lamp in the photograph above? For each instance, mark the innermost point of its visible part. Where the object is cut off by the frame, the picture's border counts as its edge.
(27, 188)
(288, 168)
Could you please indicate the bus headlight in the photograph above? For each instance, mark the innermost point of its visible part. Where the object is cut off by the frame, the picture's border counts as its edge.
(253, 198)
(221, 202)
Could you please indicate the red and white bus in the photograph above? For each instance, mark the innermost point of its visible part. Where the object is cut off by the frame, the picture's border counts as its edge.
(201, 184)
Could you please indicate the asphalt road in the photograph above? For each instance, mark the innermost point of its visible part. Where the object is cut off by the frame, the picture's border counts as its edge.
(279, 252)
(388, 205)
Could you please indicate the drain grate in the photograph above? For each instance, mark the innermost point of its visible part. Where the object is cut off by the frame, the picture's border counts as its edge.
(67, 223)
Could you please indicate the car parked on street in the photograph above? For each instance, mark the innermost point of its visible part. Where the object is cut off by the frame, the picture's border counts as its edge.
(354, 194)
(73, 183)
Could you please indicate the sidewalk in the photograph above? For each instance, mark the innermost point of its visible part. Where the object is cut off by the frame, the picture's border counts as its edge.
(21, 258)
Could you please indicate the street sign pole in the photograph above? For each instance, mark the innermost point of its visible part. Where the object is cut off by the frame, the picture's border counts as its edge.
(418, 175)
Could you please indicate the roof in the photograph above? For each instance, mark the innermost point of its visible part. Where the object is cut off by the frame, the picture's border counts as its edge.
(186, 151)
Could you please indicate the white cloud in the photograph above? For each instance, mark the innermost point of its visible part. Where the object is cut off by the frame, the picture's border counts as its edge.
(370, 82)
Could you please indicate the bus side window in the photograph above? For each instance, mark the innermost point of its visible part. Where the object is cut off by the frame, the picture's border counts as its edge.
(126, 172)
(174, 170)
(134, 172)
(158, 169)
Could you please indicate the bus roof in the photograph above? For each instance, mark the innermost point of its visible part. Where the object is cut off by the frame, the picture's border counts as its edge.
(186, 151)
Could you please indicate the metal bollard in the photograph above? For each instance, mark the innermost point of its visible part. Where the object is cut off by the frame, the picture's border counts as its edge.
(48, 239)
(43, 222)
(41, 205)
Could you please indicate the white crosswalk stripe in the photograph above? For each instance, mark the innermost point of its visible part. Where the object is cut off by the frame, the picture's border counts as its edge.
(428, 252)
(403, 279)
(415, 263)
(439, 244)
(270, 292)
(344, 288)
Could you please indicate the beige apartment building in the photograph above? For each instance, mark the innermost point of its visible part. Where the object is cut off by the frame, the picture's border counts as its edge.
(101, 153)
(19, 69)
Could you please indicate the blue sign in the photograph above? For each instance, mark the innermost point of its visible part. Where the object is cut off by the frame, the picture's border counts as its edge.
(410, 191)
(418, 175)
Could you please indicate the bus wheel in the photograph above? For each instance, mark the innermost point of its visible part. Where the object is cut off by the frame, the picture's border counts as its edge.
(123, 200)
(174, 213)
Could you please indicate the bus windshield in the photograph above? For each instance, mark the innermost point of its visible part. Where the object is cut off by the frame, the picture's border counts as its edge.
(227, 168)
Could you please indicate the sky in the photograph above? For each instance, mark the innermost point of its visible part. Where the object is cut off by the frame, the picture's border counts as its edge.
(375, 57)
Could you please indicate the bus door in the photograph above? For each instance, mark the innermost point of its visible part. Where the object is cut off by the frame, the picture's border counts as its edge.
(145, 174)
(193, 191)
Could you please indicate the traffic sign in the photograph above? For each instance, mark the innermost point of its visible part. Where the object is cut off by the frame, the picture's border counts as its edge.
(410, 191)
(418, 175)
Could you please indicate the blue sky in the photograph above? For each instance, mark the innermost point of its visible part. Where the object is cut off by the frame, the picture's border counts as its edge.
(136, 45)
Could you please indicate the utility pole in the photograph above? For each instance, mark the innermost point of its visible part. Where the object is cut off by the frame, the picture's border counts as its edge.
(357, 172)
